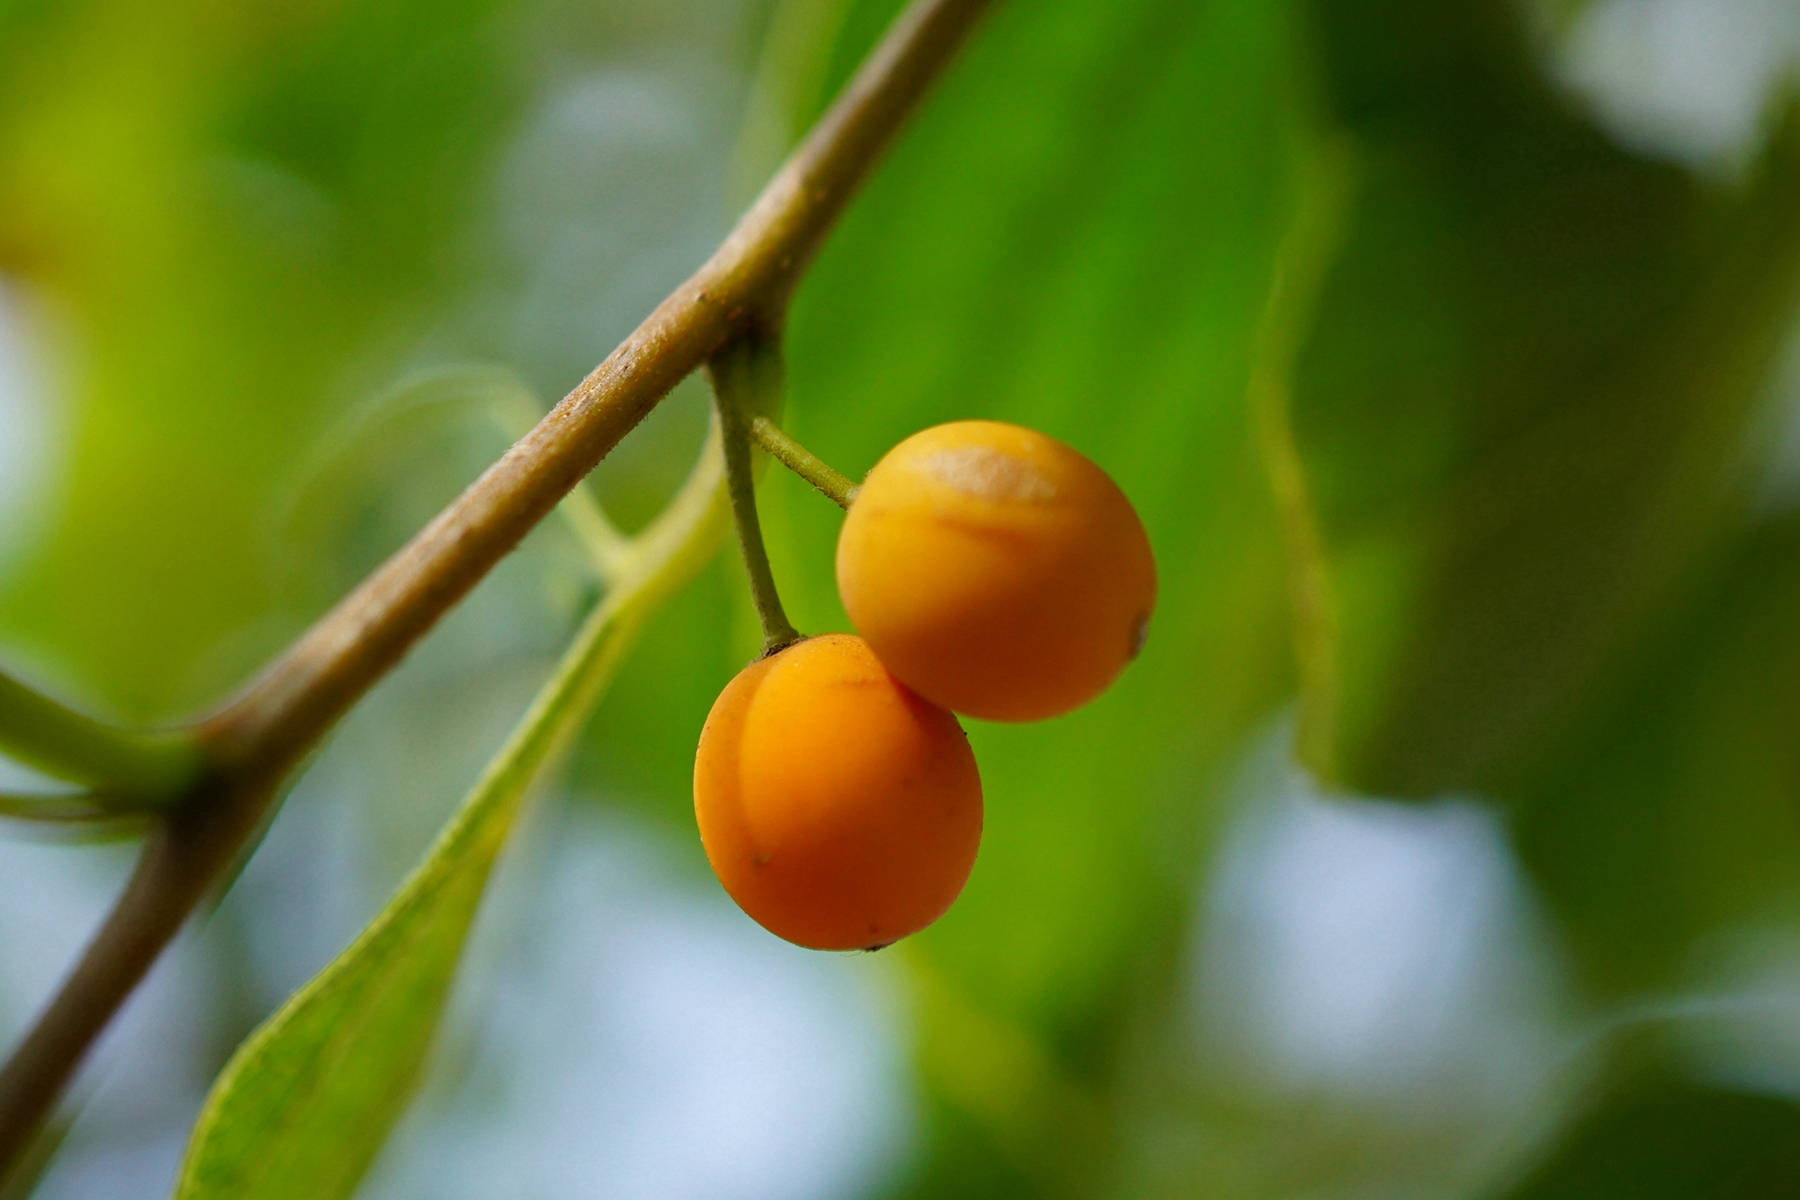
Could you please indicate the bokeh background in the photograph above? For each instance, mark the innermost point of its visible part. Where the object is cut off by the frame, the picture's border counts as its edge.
(1445, 842)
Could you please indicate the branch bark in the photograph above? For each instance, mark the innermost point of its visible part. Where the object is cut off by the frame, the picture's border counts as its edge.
(256, 740)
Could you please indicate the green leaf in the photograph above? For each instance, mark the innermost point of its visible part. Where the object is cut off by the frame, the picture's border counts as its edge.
(1674, 1141)
(305, 1104)
(328, 165)
(1676, 818)
(1522, 412)
(307, 1101)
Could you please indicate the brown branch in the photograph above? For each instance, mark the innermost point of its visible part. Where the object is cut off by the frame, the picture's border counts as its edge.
(258, 738)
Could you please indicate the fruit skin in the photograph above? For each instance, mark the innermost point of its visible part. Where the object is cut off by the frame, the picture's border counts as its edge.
(996, 571)
(840, 810)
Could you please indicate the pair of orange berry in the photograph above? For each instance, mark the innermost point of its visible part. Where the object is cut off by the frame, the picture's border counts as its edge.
(990, 570)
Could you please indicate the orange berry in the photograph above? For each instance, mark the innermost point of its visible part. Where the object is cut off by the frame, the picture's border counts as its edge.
(840, 810)
(996, 571)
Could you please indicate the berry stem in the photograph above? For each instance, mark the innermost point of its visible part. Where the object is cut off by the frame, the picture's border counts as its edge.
(746, 379)
(838, 487)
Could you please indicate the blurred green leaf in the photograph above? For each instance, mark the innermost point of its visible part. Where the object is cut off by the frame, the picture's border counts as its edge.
(213, 262)
(1525, 426)
(1677, 818)
(1674, 1141)
(1523, 409)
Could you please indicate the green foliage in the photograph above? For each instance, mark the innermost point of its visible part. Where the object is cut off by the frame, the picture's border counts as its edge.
(1676, 819)
(1674, 1141)
(226, 239)
(1527, 425)
(305, 1104)
(1523, 413)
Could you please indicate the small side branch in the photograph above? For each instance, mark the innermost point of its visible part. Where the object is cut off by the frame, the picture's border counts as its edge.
(54, 738)
(72, 808)
(838, 487)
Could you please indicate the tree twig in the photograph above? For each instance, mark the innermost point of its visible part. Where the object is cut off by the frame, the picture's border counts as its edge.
(56, 739)
(74, 807)
(256, 740)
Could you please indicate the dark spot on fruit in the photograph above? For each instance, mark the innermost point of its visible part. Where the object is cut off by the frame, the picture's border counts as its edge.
(1140, 630)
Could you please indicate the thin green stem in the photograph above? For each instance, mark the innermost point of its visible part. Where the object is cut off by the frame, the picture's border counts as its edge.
(838, 487)
(746, 378)
(95, 816)
(63, 807)
(53, 738)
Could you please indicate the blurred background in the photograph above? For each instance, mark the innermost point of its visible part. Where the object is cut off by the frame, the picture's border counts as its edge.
(1445, 841)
